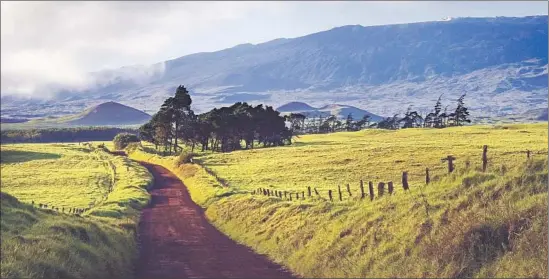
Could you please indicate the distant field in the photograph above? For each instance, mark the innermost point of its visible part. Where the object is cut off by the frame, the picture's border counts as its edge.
(325, 161)
(64, 175)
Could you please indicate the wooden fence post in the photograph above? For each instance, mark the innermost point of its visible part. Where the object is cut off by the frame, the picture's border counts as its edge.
(316, 192)
(269, 192)
(290, 196)
(427, 177)
(339, 191)
(527, 154)
(303, 195)
(371, 188)
(484, 158)
(405, 181)
(330, 195)
(361, 189)
(309, 190)
(349, 190)
(390, 187)
(380, 189)
(450, 159)
(285, 194)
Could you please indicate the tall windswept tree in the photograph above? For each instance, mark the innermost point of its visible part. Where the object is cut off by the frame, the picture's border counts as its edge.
(461, 115)
(411, 119)
(349, 123)
(178, 111)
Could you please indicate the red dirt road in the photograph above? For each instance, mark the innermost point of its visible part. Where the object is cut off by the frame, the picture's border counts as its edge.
(176, 240)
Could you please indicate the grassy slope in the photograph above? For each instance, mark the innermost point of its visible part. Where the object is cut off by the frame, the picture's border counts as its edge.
(325, 161)
(39, 243)
(478, 224)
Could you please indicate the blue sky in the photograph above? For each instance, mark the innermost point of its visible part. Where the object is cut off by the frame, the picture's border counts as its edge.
(60, 42)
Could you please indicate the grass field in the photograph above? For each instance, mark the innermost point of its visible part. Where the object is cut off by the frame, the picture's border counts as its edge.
(42, 243)
(325, 161)
(63, 175)
(468, 224)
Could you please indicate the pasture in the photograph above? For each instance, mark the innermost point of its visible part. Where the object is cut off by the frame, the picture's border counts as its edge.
(46, 243)
(468, 223)
(64, 175)
(328, 160)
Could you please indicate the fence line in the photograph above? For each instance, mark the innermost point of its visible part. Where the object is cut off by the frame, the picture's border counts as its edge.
(381, 185)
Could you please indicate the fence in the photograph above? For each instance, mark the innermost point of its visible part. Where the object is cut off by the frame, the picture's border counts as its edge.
(380, 186)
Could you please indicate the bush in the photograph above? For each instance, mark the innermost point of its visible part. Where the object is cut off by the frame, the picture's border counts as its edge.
(122, 140)
(184, 158)
(132, 146)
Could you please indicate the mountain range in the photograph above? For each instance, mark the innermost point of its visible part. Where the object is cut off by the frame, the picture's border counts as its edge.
(501, 63)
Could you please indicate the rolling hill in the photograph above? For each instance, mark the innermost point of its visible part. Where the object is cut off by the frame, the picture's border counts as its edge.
(500, 62)
(104, 114)
(110, 113)
(340, 111)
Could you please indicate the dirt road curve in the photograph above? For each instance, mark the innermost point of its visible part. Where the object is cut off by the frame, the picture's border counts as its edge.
(176, 240)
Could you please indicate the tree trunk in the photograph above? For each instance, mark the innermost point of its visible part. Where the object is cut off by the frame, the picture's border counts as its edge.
(175, 135)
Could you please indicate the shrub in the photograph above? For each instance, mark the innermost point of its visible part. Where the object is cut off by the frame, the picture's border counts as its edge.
(184, 158)
(132, 146)
(122, 140)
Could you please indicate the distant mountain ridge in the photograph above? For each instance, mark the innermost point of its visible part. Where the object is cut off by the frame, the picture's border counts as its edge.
(340, 111)
(500, 62)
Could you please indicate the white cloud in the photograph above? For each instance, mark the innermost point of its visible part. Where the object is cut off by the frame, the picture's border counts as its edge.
(46, 45)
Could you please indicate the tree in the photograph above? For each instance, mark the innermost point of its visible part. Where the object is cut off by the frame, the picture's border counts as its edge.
(178, 111)
(349, 123)
(364, 122)
(411, 119)
(461, 115)
(390, 123)
(297, 121)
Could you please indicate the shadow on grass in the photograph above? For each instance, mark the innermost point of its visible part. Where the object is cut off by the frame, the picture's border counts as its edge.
(13, 156)
(319, 143)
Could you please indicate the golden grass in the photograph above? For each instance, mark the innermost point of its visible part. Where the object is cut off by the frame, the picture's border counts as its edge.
(472, 224)
(325, 161)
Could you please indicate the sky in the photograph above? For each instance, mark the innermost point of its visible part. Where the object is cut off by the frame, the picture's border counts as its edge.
(50, 45)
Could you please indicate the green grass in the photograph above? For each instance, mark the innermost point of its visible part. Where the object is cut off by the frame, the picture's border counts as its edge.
(42, 243)
(63, 175)
(473, 224)
(325, 161)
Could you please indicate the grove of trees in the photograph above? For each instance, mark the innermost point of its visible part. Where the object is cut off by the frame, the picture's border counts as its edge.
(435, 119)
(79, 134)
(224, 129)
